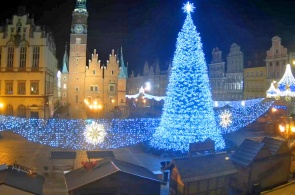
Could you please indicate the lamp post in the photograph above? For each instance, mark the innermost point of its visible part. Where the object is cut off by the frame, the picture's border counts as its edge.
(287, 129)
(1, 107)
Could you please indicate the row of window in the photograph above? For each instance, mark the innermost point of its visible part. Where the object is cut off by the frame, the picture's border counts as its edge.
(22, 57)
(21, 87)
(277, 63)
(254, 86)
(255, 74)
(93, 88)
(274, 75)
(21, 111)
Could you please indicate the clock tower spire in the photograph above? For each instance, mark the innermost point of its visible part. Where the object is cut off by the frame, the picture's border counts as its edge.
(77, 59)
(81, 6)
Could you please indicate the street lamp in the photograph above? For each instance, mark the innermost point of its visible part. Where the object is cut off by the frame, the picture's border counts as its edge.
(1, 107)
(287, 129)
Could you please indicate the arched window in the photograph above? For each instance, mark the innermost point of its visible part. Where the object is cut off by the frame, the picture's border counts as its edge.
(21, 111)
(9, 110)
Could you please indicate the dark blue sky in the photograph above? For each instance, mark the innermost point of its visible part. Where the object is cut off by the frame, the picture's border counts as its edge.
(147, 29)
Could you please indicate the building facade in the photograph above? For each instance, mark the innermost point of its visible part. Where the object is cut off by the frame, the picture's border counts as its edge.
(152, 76)
(255, 82)
(28, 69)
(234, 73)
(276, 60)
(88, 88)
(217, 75)
(226, 78)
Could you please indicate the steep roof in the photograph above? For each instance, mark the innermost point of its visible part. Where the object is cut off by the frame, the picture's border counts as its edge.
(247, 152)
(22, 180)
(105, 167)
(204, 167)
(276, 146)
(65, 62)
(123, 69)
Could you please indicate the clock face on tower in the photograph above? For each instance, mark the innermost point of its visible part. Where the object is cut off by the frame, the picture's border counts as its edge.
(78, 29)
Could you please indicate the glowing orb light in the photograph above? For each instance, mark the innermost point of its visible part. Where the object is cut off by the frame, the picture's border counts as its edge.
(226, 119)
(94, 133)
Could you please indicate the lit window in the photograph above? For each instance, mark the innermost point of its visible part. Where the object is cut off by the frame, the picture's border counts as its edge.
(9, 87)
(34, 87)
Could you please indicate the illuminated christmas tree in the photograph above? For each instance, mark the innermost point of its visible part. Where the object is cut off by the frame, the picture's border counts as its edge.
(188, 114)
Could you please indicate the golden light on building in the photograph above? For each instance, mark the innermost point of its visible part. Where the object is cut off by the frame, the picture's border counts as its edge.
(273, 110)
(287, 129)
(1, 107)
(94, 106)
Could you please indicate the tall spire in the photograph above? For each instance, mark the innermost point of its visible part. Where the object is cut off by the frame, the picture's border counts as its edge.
(123, 69)
(65, 62)
(80, 6)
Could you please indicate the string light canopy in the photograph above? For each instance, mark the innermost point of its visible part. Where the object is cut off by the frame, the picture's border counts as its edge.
(284, 88)
(79, 134)
(146, 95)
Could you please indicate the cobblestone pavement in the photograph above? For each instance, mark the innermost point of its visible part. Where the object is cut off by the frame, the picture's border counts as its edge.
(16, 149)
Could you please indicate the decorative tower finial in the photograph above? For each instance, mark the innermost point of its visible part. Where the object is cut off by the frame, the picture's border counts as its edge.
(65, 61)
(81, 6)
(188, 7)
(123, 69)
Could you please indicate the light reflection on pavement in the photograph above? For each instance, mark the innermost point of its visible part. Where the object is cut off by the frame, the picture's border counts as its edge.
(16, 149)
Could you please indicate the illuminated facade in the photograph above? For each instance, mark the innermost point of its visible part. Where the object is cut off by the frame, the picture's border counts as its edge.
(217, 75)
(152, 75)
(234, 73)
(226, 79)
(93, 86)
(276, 60)
(255, 82)
(28, 69)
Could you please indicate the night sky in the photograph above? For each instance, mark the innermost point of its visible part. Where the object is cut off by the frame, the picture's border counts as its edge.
(147, 29)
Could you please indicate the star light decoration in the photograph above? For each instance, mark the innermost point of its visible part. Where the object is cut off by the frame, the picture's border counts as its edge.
(226, 119)
(188, 7)
(94, 133)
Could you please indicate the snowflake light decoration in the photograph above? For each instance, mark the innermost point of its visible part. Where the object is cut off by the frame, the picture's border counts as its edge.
(226, 119)
(94, 133)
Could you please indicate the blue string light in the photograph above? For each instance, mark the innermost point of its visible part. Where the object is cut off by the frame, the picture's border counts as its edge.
(69, 133)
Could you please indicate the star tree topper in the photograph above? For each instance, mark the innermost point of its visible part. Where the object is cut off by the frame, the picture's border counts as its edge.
(188, 7)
